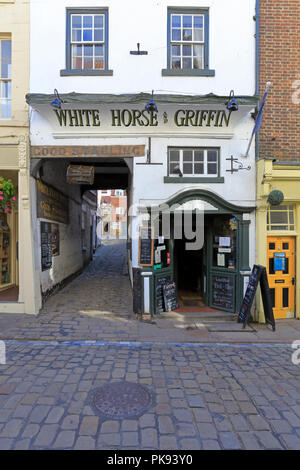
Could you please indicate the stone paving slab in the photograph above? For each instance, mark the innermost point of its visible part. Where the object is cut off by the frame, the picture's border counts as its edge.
(204, 396)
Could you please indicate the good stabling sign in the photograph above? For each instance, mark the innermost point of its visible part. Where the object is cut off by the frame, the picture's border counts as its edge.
(258, 275)
(146, 246)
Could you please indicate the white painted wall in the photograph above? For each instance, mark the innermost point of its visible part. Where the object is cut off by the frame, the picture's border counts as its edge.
(232, 47)
(232, 56)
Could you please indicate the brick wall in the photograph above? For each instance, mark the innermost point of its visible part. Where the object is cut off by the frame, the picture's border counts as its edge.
(280, 64)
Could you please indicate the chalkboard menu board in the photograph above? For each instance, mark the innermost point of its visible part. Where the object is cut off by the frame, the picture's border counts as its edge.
(46, 246)
(146, 245)
(258, 274)
(170, 296)
(223, 292)
(160, 303)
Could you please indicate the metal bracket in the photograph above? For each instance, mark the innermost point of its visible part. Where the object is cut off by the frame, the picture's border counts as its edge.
(138, 52)
(240, 165)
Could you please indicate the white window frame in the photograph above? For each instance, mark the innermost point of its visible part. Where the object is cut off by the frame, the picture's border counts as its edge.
(205, 173)
(191, 42)
(90, 43)
(5, 80)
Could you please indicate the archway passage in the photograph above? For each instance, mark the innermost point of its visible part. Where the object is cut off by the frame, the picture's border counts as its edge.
(84, 253)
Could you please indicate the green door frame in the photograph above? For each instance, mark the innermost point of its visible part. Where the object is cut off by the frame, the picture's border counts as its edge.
(222, 207)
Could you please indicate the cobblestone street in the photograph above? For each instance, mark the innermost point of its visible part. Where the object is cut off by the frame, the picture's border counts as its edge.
(203, 397)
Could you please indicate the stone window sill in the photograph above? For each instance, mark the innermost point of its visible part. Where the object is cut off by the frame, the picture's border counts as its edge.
(188, 73)
(69, 72)
(188, 179)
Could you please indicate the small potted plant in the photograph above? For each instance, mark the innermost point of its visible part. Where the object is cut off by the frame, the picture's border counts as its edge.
(7, 195)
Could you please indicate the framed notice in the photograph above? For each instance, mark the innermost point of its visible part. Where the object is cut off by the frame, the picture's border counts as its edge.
(146, 246)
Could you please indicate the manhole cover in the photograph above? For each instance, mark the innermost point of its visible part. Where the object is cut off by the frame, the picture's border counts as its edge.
(121, 399)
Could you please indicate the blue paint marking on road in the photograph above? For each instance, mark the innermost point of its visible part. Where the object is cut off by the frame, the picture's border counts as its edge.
(148, 343)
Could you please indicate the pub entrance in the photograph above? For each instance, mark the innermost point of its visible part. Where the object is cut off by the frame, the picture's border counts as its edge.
(189, 275)
(213, 276)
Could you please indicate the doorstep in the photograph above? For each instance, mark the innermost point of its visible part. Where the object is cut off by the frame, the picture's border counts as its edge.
(12, 307)
(201, 314)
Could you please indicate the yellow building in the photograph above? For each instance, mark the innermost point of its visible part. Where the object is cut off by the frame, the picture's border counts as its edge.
(16, 250)
(278, 234)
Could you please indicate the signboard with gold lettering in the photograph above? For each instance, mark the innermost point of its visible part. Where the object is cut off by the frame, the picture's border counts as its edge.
(72, 151)
(51, 204)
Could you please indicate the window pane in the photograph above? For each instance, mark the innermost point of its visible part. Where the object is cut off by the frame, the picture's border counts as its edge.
(187, 63)
(175, 50)
(211, 168)
(76, 35)
(5, 69)
(198, 35)
(173, 167)
(278, 217)
(187, 21)
(176, 21)
(198, 21)
(199, 156)
(187, 35)
(187, 168)
(212, 156)
(99, 21)
(174, 155)
(5, 109)
(176, 34)
(87, 35)
(99, 50)
(198, 63)
(187, 156)
(99, 63)
(88, 63)
(175, 63)
(186, 50)
(87, 21)
(98, 35)
(6, 50)
(88, 50)
(77, 50)
(77, 63)
(198, 168)
(6, 90)
(291, 217)
(76, 21)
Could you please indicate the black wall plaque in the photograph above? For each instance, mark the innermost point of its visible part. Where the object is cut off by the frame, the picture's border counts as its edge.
(170, 296)
(146, 244)
(258, 275)
(46, 246)
(223, 292)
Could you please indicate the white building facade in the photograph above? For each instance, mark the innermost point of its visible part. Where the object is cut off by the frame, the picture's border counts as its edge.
(184, 153)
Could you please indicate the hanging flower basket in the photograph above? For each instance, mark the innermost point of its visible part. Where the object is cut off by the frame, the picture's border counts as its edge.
(7, 195)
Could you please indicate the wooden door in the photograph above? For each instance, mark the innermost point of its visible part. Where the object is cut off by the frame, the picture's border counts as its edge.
(281, 275)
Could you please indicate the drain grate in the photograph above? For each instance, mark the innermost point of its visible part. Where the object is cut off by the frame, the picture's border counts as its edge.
(121, 400)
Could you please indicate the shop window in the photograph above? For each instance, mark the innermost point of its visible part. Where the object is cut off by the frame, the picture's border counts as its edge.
(5, 78)
(224, 242)
(87, 42)
(281, 217)
(188, 41)
(194, 162)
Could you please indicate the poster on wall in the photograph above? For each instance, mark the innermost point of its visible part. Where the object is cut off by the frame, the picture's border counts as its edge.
(46, 246)
(49, 244)
(55, 239)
